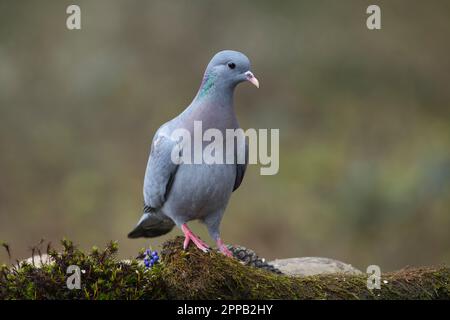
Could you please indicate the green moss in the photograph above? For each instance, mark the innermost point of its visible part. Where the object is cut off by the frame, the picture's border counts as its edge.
(196, 275)
(103, 278)
(193, 274)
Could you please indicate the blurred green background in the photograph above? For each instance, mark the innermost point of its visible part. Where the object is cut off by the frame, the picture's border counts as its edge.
(363, 117)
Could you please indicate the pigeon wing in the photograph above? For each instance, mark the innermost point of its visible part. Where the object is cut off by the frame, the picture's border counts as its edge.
(240, 169)
(160, 172)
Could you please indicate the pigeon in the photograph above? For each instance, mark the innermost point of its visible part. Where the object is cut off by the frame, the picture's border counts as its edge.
(176, 193)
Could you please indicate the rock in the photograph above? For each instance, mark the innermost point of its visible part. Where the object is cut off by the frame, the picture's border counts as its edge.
(308, 266)
(292, 266)
(38, 261)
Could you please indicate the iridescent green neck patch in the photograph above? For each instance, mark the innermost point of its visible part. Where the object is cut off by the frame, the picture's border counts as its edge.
(207, 84)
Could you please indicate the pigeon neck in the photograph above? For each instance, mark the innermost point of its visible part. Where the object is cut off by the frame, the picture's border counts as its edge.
(213, 91)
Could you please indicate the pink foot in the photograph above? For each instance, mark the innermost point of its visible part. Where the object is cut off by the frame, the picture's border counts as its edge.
(189, 235)
(223, 248)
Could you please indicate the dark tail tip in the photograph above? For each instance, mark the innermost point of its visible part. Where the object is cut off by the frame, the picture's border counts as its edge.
(136, 233)
(152, 225)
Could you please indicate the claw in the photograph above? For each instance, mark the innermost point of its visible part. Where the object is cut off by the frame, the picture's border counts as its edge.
(189, 235)
(223, 248)
(186, 242)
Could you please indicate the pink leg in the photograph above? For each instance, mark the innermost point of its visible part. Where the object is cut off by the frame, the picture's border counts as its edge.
(189, 235)
(223, 248)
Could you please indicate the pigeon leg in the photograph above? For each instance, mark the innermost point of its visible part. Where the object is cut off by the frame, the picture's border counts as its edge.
(189, 235)
(223, 248)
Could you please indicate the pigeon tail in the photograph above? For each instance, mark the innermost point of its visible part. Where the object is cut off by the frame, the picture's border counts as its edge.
(152, 225)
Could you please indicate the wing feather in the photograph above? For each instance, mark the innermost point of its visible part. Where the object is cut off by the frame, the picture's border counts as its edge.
(160, 172)
(240, 170)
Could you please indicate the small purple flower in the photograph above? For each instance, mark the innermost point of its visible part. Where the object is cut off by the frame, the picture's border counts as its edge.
(151, 258)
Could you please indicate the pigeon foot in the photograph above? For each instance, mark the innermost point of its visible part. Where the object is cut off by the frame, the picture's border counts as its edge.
(189, 235)
(223, 248)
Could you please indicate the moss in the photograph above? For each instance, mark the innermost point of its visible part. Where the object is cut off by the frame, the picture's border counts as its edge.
(103, 277)
(193, 274)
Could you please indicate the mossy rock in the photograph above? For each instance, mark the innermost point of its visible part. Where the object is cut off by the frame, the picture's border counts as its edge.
(197, 275)
(192, 274)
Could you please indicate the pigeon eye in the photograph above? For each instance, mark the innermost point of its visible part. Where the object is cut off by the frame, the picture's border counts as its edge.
(231, 65)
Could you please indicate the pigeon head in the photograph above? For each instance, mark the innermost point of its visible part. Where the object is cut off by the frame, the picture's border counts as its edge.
(225, 71)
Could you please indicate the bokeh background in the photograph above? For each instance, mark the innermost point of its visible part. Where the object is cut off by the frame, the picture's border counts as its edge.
(363, 117)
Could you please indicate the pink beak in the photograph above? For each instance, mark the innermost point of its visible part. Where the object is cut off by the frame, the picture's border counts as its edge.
(252, 78)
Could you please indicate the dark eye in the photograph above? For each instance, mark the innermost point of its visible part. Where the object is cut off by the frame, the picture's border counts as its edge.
(231, 65)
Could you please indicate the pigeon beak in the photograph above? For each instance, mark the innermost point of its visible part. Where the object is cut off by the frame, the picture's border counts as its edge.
(252, 79)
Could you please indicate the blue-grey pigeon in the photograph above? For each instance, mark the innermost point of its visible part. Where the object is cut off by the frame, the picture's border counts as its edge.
(175, 193)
